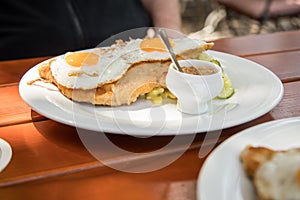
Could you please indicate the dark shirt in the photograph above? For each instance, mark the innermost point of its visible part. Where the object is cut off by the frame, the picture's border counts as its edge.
(31, 28)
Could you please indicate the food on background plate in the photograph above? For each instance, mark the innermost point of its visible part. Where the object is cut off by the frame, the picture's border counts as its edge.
(275, 174)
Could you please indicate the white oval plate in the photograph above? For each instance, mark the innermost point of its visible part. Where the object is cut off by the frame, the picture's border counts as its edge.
(222, 176)
(259, 90)
(5, 154)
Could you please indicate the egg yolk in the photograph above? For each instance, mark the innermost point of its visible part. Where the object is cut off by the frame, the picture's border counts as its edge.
(78, 59)
(154, 44)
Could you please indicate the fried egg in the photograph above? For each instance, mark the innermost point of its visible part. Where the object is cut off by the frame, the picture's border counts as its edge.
(279, 178)
(95, 67)
(275, 174)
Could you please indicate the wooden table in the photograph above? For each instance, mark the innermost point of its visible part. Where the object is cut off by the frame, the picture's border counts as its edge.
(50, 162)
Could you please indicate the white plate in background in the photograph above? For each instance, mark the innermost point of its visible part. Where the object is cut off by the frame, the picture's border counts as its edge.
(5, 154)
(222, 176)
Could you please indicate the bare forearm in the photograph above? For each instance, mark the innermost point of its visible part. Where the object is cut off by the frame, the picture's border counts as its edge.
(164, 13)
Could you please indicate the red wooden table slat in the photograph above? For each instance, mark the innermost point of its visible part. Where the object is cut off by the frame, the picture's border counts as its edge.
(262, 44)
(285, 65)
(47, 149)
(176, 181)
(13, 109)
(11, 71)
(290, 104)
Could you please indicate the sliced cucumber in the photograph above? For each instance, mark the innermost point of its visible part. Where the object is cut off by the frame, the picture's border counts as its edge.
(216, 62)
(227, 90)
(226, 93)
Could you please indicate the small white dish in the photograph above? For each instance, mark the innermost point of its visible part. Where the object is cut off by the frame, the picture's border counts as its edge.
(194, 92)
(5, 154)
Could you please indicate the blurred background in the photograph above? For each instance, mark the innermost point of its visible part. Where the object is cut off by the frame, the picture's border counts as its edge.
(214, 19)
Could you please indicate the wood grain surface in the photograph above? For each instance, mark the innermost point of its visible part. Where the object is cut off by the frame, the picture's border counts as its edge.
(50, 160)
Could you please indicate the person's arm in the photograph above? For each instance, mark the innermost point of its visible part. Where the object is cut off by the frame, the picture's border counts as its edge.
(164, 13)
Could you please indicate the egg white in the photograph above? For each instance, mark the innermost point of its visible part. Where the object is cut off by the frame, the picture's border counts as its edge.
(113, 63)
(277, 178)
